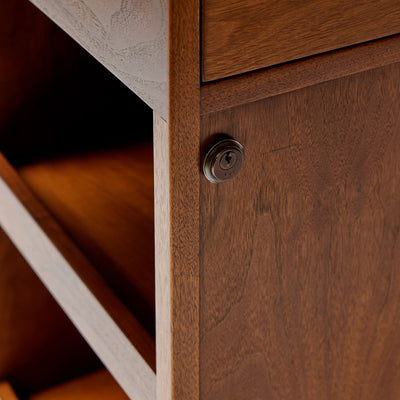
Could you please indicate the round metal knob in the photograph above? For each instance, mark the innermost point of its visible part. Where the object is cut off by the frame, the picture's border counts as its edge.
(223, 161)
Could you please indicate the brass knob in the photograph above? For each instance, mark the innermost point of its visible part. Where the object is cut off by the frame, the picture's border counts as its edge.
(223, 161)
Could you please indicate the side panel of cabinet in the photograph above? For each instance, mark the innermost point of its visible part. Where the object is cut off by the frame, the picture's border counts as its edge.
(300, 257)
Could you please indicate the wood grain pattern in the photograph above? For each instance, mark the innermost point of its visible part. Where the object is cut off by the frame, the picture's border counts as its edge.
(104, 201)
(270, 82)
(162, 230)
(97, 386)
(129, 37)
(39, 346)
(184, 139)
(300, 278)
(86, 298)
(244, 35)
(6, 392)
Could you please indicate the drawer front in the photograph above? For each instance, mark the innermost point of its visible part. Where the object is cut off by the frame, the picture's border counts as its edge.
(244, 35)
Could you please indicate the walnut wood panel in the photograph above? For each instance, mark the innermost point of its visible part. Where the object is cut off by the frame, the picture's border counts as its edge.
(129, 37)
(183, 187)
(115, 335)
(39, 346)
(259, 85)
(104, 201)
(97, 386)
(244, 35)
(300, 259)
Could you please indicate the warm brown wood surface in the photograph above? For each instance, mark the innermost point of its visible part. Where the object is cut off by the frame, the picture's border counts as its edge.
(39, 346)
(300, 259)
(6, 392)
(104, 201)
(245, 35)
(184, 182)
(97, 386)
(115, 335)
(254, 86)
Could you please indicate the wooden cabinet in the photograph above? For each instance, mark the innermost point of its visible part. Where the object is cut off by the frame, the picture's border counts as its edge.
(280, 283)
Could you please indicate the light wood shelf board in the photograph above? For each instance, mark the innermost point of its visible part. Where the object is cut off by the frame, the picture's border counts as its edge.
(128, 38)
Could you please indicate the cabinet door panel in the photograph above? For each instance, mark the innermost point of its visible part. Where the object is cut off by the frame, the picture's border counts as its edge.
(300, 257)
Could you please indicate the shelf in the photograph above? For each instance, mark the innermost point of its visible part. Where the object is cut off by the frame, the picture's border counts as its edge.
(109, 327)
(96, 386)
(104, 201)
(39, 346)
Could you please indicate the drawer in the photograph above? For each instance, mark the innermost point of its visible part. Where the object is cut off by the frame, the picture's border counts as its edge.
(244, 35)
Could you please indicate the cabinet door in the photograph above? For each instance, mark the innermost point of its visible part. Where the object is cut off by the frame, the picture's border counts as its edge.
(300, 257)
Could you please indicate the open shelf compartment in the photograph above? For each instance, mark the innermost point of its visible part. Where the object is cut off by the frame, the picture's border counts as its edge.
(77, 194)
